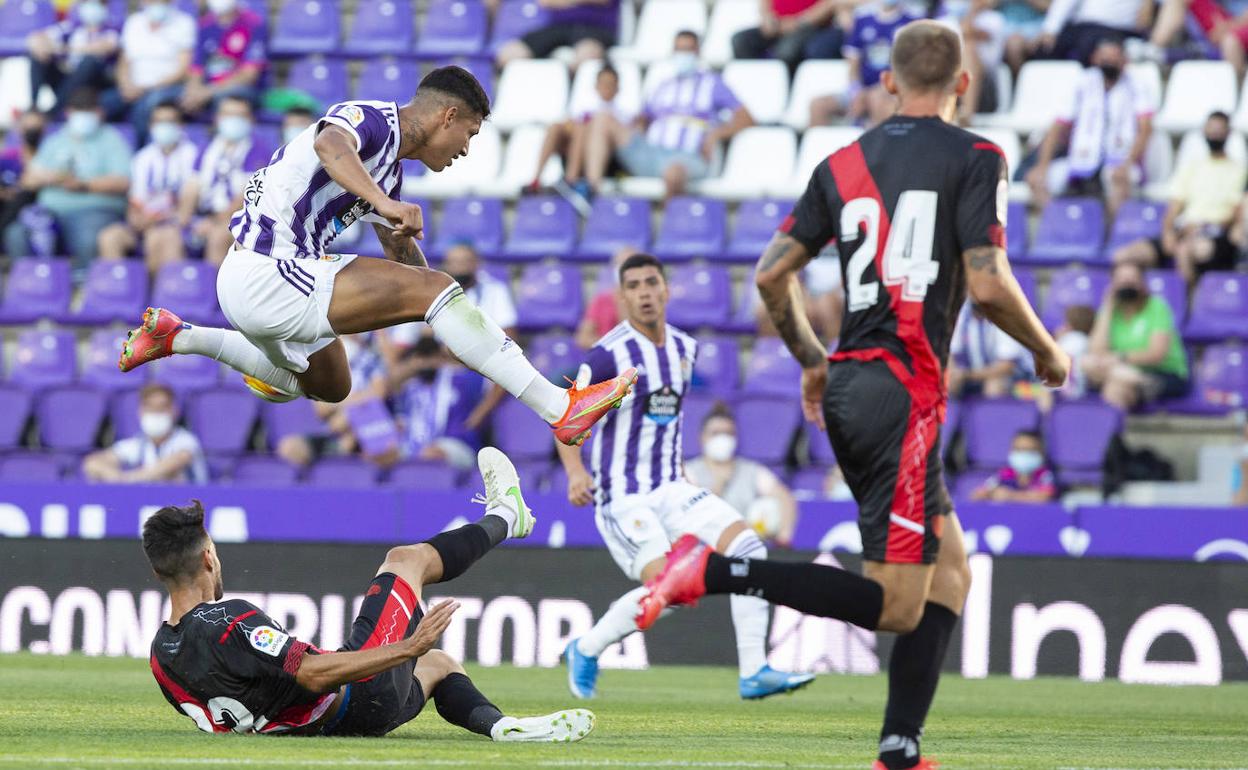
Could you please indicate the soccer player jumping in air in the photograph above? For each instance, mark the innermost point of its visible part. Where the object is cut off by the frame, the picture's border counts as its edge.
(289, 300)
(917, 208)
(231, 668)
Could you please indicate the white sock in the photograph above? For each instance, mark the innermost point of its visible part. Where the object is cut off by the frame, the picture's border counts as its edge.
(750, 614)
(619, 621)
(232, 348)
(476, 340)
(506, 513)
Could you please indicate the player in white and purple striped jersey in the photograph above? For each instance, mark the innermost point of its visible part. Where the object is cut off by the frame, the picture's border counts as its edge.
(289, 298)
(642, 499)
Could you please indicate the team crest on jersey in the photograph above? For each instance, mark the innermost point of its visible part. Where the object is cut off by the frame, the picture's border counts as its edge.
(353, 114)
(663, 405)
(268, 640)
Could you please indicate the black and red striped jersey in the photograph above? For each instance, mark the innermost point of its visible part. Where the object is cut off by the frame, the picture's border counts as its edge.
(902, 204)
(231, 668)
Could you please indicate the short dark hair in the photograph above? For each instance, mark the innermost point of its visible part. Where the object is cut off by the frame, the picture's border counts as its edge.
(83, 99)
(1110, 39)
(1219, 115)
(926, 56)
(156, 389)
(298, 112)
(457, 83)
(173, 538)
(169, 104)
(237, 98)
(688, 33)
(641, 259)
(719, 411)
(1029, 433)
(608, 69)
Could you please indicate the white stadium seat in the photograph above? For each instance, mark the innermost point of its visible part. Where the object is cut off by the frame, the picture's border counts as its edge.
(817, 144)
(531, 91)
(583, 83)
(728, 17)
(1193, 147)
(524, 145)
(467, 174)
(762, 86)
(1158, 165)
(1195, 89)
(814, 77)
(745, 174)
(1148, 75)
(657, 73)
(657, 27)
(1007, 140)
(1042, 89)
(1240, 118)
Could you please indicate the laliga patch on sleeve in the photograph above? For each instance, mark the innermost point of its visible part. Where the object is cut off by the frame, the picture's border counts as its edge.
(353, 114)
(268, 640)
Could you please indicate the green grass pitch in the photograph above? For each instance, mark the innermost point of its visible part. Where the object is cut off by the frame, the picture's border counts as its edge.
(104, 713)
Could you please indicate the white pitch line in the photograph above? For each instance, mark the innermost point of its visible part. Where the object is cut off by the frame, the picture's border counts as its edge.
(347, 762)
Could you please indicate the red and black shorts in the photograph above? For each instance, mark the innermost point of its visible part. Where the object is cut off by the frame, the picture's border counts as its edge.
(888, 447)
(379, 704)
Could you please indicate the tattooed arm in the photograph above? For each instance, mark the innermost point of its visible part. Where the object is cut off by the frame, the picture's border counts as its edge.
(400, 248)
(777, 282)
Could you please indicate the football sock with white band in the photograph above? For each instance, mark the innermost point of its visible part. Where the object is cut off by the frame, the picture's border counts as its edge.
(232, 349)
(750, 614)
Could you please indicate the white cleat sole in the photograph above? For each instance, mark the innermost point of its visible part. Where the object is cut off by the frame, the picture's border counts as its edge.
(500, 477)
(560, 727)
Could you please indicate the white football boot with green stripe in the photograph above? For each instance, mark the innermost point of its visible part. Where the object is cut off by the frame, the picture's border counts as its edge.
(560, 727)
(502, 488)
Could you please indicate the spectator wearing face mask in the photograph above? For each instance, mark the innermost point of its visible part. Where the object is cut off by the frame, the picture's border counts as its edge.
(1025, 479)
(13, 162)
(868, 50)
(157, 175)
(165, 452)
(294, 122)
(230, 56)
(75, 53)
(157, 44)
(433, 401)
(753, 490)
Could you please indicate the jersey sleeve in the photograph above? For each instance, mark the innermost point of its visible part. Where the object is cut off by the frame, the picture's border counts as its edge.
(984, 197)
(369, 127)
(601, 364)
(254, 637)
(811, 222)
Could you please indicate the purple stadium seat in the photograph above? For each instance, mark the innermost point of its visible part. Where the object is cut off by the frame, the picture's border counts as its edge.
(549, 295)
(380, 27)
(478, 221)
(1078, 433)
(264, 470)
(556, 356)
(115, 290)
(1027, 282)
(700, 296)
(544, 226)
(1136, 219)
(953, 424)
(69, 418)
(15, 414)
(190, 290)
(514, 19)
(820, 448)
(294, 418)
(29, 467)
(222, 419)
(765, 427)
(613, 224)
(187, 374)
(36, 288)
(305, 27)
(743, 319)
(772, 369)
(717, 368)
(757, 221)
(198, 134)
(1169, 285)
(1219, 307)
(123, 412)
(424, 475)
(44, 359)
(388, 79)
(1016, 230)
(18, 18)
(808, 483)
(692, 227)
(989, 426)
(325, 80)
(1219, 382)
(453, 28)
(521, 433)
(344, 472)
(693, 410)
(1070, 230)
(1073, 286)
(967, 482)
(266, 138)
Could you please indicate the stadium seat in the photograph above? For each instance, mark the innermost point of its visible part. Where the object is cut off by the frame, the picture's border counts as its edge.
(965, 483)
(743, 319)
(18, 18)
(717, 369)
(44, 359)
(1219, 308)
(1027, 282)
(380, 28)
(1008, 141)
(476, 221)
(191, 288)
(1136, 219)
(69, 418)
(1072, 285)
(808, 483)
(762, 86)
(952, 426)
(556, 356)
(453, 28)
(1158, 166)
(614, 223)
(264, 470)
(583, 94)
(765, 427)
(1193, 148)
(424, 475)
(543, 226)
(691, 227)
(1016, 230)
(524, 145)
(222, 419)
(1169, 285)
(756, 223)
(29, 467)
(819, 447)
(1043, 88)
(1221, 376)
(743, 176)
(515, 19)
(657, 27)
(728, 17)
(1194, 89)
(465, 174)
(814, 78)
(1070, 230)
(817, 144)
(113, 291)
(306, 27)
(1077, 434)
(123, 411)
(18, 403)
(771, 369)
(36, 288)
(531, 91)
(549, 296)
(700, 296)
(344, 472)
(294, 418)
(520, 433)
(989, 426)
(386, 79)
(324, 79)
(695, 407)
(99, 368)
(187, 374)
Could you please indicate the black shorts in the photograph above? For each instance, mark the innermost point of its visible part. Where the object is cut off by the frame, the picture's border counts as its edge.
(1224, 257)
(541, 42)
(888, 447)
(379, 704)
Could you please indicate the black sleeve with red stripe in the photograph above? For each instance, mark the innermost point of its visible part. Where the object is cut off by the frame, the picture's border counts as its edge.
(813, 220)
(258, 637)
(982, 200)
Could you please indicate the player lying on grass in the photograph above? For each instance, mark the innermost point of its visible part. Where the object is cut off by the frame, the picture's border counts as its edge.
(229, 667)
(289, 299)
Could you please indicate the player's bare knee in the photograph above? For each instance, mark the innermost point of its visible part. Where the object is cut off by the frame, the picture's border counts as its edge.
(413, 563)
(441, 663)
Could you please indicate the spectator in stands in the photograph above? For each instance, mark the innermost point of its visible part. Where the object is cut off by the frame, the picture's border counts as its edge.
(568, 138)
(981, 24)
(1135, 354)
(1024, 30)
(1204, 201)
(785, 29)
(1227, 30)
(230, 56)
(1074, 337)
(589, 27)
(81, 174)
(157, 43)
(680, 131)
(165, 452)
(1025, 479)
(158, 173)
(868, 50)
(1107, 124)
(72, 54)
(14, 159)
(983, 360)
(294, 121)
(1075, 29)
(434, 400)
(757, 494)
(602, 314)
(212, 195)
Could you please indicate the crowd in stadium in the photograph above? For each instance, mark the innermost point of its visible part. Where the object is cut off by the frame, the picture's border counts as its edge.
(145, 121)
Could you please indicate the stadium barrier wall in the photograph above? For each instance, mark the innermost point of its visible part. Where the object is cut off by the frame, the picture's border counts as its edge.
(291, 514)
(1131, 620)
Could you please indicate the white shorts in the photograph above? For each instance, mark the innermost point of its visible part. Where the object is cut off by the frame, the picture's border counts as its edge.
(280, 305)
(640, 528)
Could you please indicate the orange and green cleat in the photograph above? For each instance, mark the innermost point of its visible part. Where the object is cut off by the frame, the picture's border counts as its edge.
(587, 405)
(682, 580)
(152, 340)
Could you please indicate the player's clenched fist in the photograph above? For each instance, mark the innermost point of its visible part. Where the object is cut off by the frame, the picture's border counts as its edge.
(431, 626)
(406, 218)
(580, 488)
(1053, 367)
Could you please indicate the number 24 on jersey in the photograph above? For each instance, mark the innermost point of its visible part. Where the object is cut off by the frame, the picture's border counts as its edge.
(907, 259)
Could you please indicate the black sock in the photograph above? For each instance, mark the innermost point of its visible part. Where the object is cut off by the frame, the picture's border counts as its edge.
(459, 548)
(814, 589)
(913, 671)
(460, 702)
